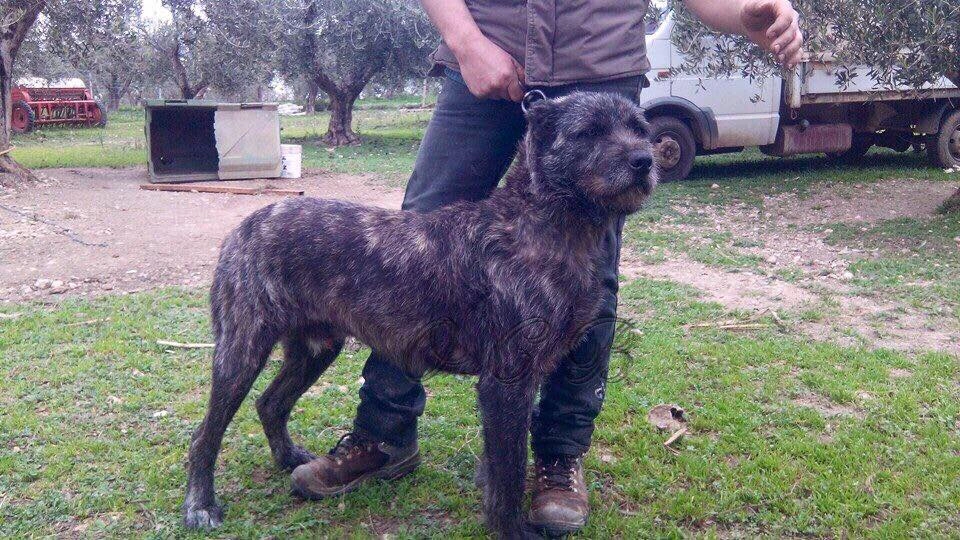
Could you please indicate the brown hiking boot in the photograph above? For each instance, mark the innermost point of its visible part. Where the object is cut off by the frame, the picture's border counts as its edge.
(354, 460)
(559, 503)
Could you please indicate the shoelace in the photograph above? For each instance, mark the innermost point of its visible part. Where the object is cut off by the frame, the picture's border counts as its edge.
(559, 473)
(348, 443)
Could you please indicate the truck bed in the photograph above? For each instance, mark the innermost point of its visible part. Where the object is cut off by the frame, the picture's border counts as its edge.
(815, 82)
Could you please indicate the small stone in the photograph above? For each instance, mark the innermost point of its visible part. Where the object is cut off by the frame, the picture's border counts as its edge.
(715, 186)
(161, 414)
(26, 289)
(772, 259)
(848, 275)
(42, 284)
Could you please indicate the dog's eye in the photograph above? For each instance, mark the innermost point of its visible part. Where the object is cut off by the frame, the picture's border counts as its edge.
(636, 125)
(588, 132)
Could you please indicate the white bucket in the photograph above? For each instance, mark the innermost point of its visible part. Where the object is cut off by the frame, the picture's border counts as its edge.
(292, 158)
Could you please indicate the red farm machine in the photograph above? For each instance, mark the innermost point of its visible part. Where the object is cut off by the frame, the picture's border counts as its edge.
(34, 107)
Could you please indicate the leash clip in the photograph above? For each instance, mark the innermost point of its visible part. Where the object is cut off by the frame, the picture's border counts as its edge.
(530, 98)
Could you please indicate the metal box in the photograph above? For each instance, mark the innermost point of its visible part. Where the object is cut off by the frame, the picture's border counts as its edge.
(191, 140)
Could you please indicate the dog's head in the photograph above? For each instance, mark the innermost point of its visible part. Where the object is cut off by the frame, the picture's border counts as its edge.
(591, 147)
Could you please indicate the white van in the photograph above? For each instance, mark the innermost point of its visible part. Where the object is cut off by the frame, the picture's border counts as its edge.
(807, 113)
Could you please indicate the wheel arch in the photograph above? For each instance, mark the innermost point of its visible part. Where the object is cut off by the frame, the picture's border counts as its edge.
(701, 122)
(932, 119)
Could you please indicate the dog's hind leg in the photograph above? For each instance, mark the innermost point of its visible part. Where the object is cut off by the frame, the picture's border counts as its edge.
(237, 360)
(505, 408)
(306, 358)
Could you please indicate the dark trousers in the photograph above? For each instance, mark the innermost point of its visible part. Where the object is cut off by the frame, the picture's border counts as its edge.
(467, 148)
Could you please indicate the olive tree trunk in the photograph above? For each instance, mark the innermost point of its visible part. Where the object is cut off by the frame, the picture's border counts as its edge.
(187, 89)
(11, 172)
(11, 37)
(340, 130)
(311, 105)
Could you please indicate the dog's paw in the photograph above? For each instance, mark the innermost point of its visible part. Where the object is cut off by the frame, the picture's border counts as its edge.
(294, 458)
(206, 518)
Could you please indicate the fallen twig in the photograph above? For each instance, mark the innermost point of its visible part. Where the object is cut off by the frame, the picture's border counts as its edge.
(776, 318)
(676, 435)
(10, 316)
(90, 321)
(8, 150)
(731, 326)
(178, 345)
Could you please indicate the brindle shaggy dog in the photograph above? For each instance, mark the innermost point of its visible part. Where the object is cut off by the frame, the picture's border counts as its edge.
(502, 288)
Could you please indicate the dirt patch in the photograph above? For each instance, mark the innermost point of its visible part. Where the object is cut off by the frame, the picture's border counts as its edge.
(826, 408)
(735, 290)
(851, 321)
(799, 271)
(93, 231)
(867, 203)
(898, 373)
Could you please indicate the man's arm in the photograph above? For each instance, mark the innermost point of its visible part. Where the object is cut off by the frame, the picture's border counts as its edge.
(486, 68)
(772, 24)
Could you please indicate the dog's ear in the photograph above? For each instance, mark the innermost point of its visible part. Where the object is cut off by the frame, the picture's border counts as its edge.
(542, 116)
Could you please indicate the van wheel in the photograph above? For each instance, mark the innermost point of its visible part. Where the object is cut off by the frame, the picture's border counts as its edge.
(674, 147)
(859, 148)
(943, 149)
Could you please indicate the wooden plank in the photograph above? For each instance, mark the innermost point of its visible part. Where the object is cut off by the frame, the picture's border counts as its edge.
(230, 190)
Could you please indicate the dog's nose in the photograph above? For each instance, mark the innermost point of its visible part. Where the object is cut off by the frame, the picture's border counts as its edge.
(640, 160)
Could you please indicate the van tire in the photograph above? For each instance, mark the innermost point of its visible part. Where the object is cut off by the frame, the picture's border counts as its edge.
(943, 149)
(674, 146)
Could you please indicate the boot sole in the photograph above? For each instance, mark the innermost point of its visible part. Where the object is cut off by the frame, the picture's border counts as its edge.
(556, 530)
(393, 472)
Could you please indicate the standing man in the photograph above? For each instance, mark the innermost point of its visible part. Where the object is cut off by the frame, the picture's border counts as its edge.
(493, 51)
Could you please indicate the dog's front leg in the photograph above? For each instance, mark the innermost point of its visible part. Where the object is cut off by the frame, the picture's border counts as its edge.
(505, 407)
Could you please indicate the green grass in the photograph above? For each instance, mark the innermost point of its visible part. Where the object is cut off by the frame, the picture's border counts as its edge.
(917, 261)
(390, 142)
(120, 144)
(82, 451)
(390, 129)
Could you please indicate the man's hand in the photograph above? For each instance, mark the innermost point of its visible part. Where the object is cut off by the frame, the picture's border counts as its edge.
(490, 72)
(774, 25)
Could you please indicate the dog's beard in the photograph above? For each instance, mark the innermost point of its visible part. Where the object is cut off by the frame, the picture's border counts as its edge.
(628, 201)
(621, 192)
